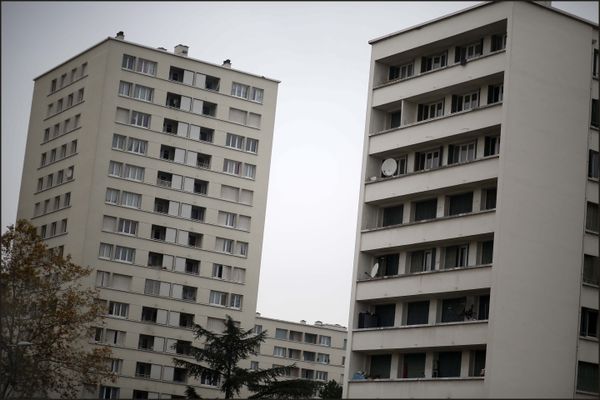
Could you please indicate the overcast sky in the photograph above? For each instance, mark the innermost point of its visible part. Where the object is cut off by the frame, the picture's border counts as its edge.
(320, 53)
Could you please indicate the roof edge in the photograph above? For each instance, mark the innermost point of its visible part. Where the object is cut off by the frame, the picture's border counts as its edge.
(468, 9)
(158, 51)
(324, 326)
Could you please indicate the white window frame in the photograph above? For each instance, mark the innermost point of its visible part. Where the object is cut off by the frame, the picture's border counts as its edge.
(137, 146)
(240, 90)
(124, 254)
(117, 309)
(127, 226)
(234, 141)
(217, 298)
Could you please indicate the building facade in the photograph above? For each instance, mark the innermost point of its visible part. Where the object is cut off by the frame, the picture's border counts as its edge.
(476, 263)
(152, 168)
(318, 351)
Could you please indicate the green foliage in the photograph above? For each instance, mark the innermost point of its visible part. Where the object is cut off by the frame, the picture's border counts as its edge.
(287, 389)
(45, 314)
(331, 390)
(218, 360)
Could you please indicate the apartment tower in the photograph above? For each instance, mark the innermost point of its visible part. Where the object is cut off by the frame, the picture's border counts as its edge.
(152, 168)
(476, 263)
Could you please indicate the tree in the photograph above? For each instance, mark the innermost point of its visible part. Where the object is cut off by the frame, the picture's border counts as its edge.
(218, 361)
(331, 390)
(45, 312)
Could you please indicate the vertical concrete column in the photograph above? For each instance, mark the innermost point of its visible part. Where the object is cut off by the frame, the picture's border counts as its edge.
(477, 200)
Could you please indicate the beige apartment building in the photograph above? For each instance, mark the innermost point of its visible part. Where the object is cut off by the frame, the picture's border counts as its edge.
(152, 168)
(318, 351)
(476, 265)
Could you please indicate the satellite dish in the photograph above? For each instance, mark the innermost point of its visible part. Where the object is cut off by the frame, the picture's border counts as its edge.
(374, 270)
(388, 167)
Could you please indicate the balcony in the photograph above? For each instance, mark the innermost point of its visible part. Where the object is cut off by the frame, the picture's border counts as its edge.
(446, 176)
(431, 283)
(428, 231)
(417, 388)
(421, 336)
(455, 74)
(436, 129)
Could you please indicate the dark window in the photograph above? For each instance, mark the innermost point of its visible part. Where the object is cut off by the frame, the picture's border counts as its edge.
(433, 62)
(394, 73)
(192, 266)
(591, 221)
(461, 203)
(200, 187)
(490, 199)
(161, 205)
(395, 119)
(212, 82)
(167, 153)
(173, 100)
(155, 259)
(448, 364)
(426, 209)
(487, 252)
(146, 342)
(380, 366)
(392, 215)
(209, 108)
(428, 159)
(197, 213)
(594, 164)
(413, 365)
(422, 260)
(206, 134)
(495, 93)
(417, 313)
(595, 120)
(498, 42)
(453, 310)
(186, 320)
(589, 322)
(158, 232)
(183, 347)
(595, 66)
(484, 308)
(149, 314)
(176, 74)
(456, 256)
(386, 314)
(140, 395)
(143, 370)
(587, 377)
(388, 265)
(491, 145)
(179, 375)
(591, 270)
(477, 367)
(170, 126)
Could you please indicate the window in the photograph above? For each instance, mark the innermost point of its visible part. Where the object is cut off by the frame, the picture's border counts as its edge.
(142, 370)
(257, 95)
(426, 209)
(137, 146)
(461, 153)
(208, 378)
(109, 392)
(235, 301)
(249, 171)
(589, 323)
(498, 42)
(251, 145)
(73, 146)
(483, 310)
(59, 105)
(417, 313)
(46, 134)
(477, 363)
(194, 239)
(70, 100)
(321, 375)
(124, 254)
(325, 340)
(380, 366)
(128, 62)
(465, 102)
(146, 66)
(53, 85)
(125, 88)
(310, 356)
(431, 110)
(127, 226)
(112, 196)
(281, 333)
(392, 215)
(413, 365)
(235, 141)
(129, 199)
(323, 358)
(238, 116)
(594, 164)
(460, 203)
(595, 122)
(192, 267)
(140, 119)
(254, 365)
(116, 365)
(231, 167)
(491, 146)
(428, 159)
(188, 293)
(200, 187)
(242, 248)
(447, 364)
(495, 93)
(296, 336)
(143, 93)
(489, 199)
(469, 51)
(591, 270)
(400, 72)
(453, 310)
(80, 95)
(239, 90)
(152, 287)
(227, 219)
(591, 218)
(218, 298)
(134, 173)
(456, 256)
(105, 251)
(118, 309)
(587, 377)
(487, 252)
(433, 62)
(595, 66)
(279, 351)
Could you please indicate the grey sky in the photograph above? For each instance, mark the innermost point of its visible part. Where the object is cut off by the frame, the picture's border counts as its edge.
(320, 53)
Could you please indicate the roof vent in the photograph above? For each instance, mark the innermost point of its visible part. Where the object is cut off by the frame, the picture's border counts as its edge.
(318, 323)
(181, 50)
(302, 321)
(120, 35)
(227, 63)
(162, 48)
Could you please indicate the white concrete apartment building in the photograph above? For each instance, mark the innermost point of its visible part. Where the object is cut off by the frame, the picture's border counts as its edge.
(476, 263)
(152, 168)
(318, 350)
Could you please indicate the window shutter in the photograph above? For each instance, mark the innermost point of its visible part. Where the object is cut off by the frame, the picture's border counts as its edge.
(179, 155)
(423, 64)
(188, 77)
(159, 343)
(168, 373)
(180, 264)
(171, 345)
(192, 158)
(194, 132)
(186, 210)
(173, 207)
(161, 316)
(182, 129)
(174, 318)
(170, 235)
(176, 181)
(182, 238)
(457, 52)
(155, 371)
(188, 185)
(167, 261)
(165, 288)
(177, 291)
